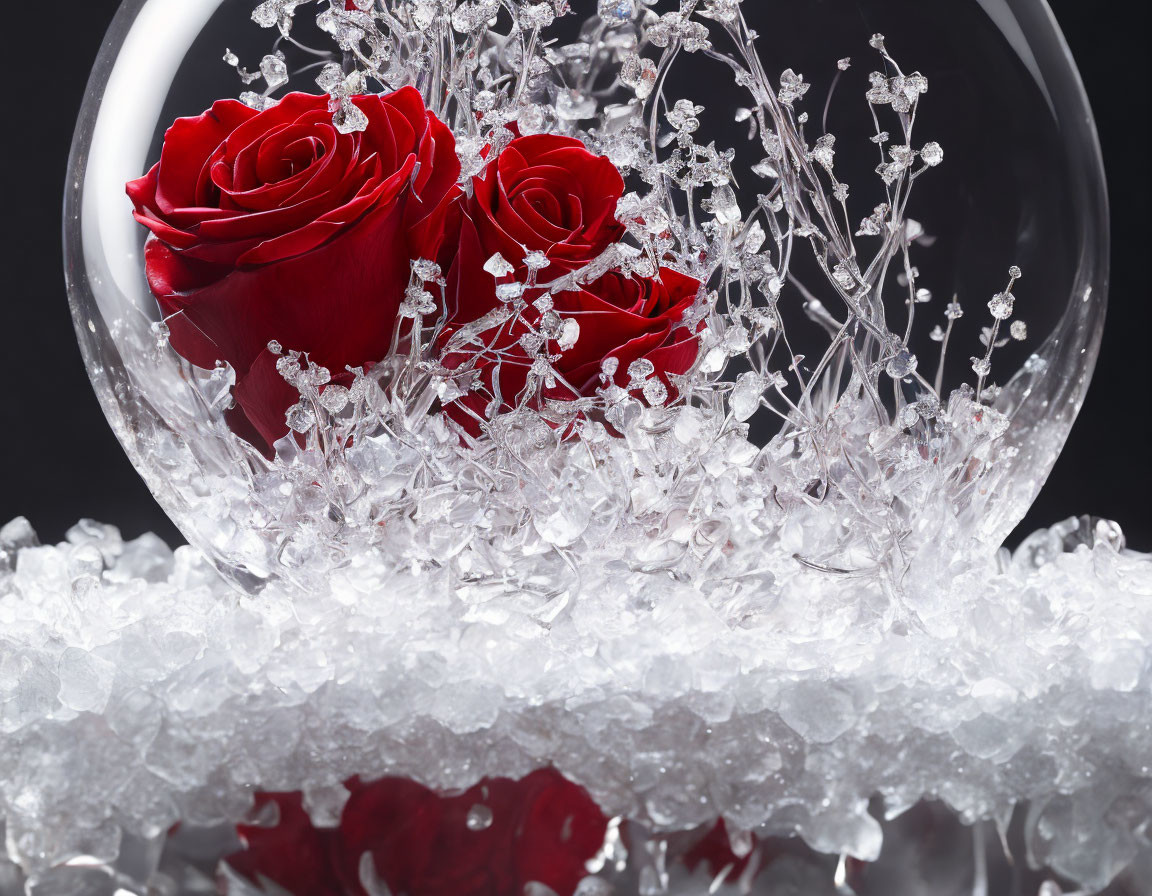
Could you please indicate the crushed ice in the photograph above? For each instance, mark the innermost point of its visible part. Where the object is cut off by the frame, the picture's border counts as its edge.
(138, 689)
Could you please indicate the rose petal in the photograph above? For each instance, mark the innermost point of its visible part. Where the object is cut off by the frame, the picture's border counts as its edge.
(291, 108)
(326, 302)
(380, 200)
(188, 144)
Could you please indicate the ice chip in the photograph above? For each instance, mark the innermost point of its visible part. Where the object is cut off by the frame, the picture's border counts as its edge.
(818, 711)
(85, 680)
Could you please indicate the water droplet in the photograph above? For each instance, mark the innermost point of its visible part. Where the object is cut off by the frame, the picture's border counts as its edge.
(479, 818)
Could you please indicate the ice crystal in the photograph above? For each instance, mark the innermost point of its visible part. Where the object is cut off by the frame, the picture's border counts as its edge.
(902, 364)
(746, 394)
(537, 15)
(300, 418)
(349, 118)
(616, 10)
(792, 87)
(574, 105)
(274, 70)
(498, 266)
(1001, 305)
(508, 292)
(256, 100)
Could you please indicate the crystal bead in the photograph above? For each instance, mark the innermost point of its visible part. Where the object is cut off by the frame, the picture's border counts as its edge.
(932, 154)
(1001, 305)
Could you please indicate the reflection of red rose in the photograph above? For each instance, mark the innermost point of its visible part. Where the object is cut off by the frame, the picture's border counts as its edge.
(293, 854)
(714, 852)
(274, 226)
(491, 840)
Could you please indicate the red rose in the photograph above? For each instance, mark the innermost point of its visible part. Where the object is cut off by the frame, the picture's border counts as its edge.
(491, 840)
(274, 226)
(550, 195)
(543, 193)
(626, 318)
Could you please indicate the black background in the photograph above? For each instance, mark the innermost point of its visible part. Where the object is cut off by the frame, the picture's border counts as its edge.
(61, 462)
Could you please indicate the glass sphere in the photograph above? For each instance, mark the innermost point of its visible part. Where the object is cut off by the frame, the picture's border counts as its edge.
(1021, 184)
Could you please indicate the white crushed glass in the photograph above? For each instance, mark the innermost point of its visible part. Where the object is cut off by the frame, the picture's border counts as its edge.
(138, 689)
